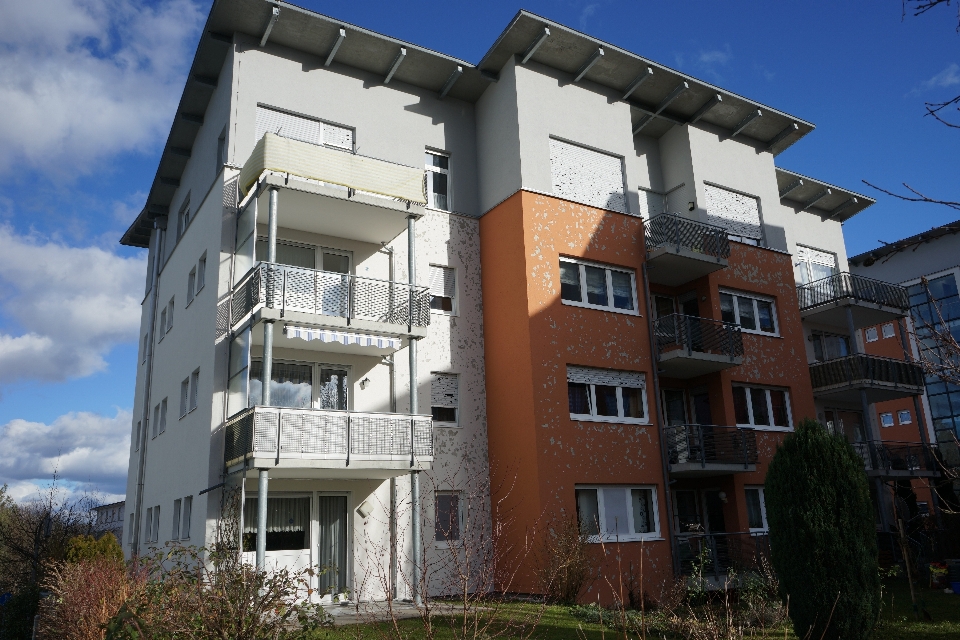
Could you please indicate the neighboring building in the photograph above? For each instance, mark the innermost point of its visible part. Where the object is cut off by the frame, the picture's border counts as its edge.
(632, 354)
(109, 517)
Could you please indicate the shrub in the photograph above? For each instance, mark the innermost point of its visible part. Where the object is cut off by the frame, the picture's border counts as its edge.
(563, 561)
(822, 537)
(81, 548)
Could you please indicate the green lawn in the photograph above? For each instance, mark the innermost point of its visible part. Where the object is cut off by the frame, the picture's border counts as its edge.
(898, 622)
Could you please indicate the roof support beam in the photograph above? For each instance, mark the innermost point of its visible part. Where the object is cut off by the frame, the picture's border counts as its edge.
(179, 151)
(191, 117)
(817, 198)
(336, 46)
(395, 65)
(793, 186)
(846, 205)
(532, 49)
(210, 81)
(644, 121)
(274, 15)
(170, 182)
(594, 59)
(451, 81)
(639, 80)
(790, 128)
(709, 104)
(753, 115)
(220, 37)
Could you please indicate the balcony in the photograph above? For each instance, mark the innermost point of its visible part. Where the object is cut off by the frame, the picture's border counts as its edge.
(304, 443)
(695, 450)
(887, 459)
(680, 250)
(330, 191)
(689, 346)
(826, 301)
(715, 554)
(842, 379)
(335, 301)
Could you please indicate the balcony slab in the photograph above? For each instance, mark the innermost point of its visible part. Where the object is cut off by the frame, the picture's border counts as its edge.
(672, 266)
(678, 363)
(865, 314)
(698, 470)
(848, 393)
(309, 469)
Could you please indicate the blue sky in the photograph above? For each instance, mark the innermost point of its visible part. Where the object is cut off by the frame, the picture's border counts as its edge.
(89, 88)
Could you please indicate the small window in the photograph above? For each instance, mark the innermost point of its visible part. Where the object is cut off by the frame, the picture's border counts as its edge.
(605, 395)
(162, 330)
(194, 384)
(184, 394)
(757, 315)
(756, 509)
(886, 419)
(904, 417)
(170, 315)
(221, 150)
(183, 218)
(136, 436)
(156, 421)
(163, 416)
(597, 287)
(438, 180)
(191, 285)
(622, 513)
(146, 346)
(176, 520)
(758, 407)
(185, 519)
(443, 289)
(449, 516)
(149, 525)
(156, 524)
(887, 330)
(444, 398)
(201, 272)
(871, 334)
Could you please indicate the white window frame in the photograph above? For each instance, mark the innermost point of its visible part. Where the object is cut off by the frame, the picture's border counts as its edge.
(186, 513)
(456, 407)
(429, 179)
(900, 419)
(184, 395)
(886, 419)
(750, 388)
(763, 509)
(619, 418)
(446, 544)
(201, 273)
(162, 328)
(194, 390)
(170, 315)
(870, 334)
(191, 285)
(581, 264)
(176, 520)
(883, 330)
(601, 512)
(455, 299)
(754, 298)
(163, 417)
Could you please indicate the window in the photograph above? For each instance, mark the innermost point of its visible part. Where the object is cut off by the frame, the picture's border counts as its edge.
(605, 395)
(156, 421)
(904, 417)
(191, 285)
(444, 398)
(587, 176)
(438, 180)
(136, 436)
(146, 345)
(827, 346)
(288, 523)
(617, 513)
(194, 384)
(149, 532)
(183, 218)
(221, 150)
(597, 287)
(304, 129)
(153, 524)
(201, 272)
(738, 213)
(814, 264)
(886, 419)
(238, 381)
(162, 331)
(292, 386)
(757, 315)
(176, 520)
(759, 407)
(871, 334)
(170, 315)
(887, 330)
(756, 509)
(185, 518)
(163, 416)
(443, 289)
(184, 394)
(449, 518)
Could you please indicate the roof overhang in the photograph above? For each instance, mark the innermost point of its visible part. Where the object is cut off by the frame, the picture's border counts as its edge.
(807, 194)
(867, 258)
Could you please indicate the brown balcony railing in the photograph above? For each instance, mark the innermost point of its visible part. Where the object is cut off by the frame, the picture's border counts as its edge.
(889, 456)
(707, 444)
(670, 229)
(864, 369)
(847, 285)
(287, 288)
(712, 555)
(698, 335)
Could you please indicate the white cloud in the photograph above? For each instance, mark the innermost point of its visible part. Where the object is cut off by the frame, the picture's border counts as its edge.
(587, 13)
(717, 56)
(946, 78)
(74, 305)
(84, 79)
(89, 453)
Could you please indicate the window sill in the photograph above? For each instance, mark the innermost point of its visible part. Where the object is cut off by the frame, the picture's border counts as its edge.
(584, 305)
(429, 208)
(576, 417)
(440, 312)
(763, 427)
(446, 425)
(187, 306)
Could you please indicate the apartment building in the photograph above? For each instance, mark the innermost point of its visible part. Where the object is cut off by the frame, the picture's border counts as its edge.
(382, 279)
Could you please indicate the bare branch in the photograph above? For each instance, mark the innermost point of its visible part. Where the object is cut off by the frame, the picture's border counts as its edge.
(920, 197)
(933, 109)
(919, 7)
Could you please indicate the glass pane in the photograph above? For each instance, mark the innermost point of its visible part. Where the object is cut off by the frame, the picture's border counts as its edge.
(615, 512)
(588, 512)
(622, 290)
(673, 405)
(239, 352)
(447, 523)
(758, 400)
(765, 315)
(333, 389)
(943, 287)
(754, 515)
(441, 303)
(740, 405)
(244, 260)
(570, 282)
(726, 308)
(444, 414)
(437, 160)
(747, 318)
(606, 400)
(819, 271)
(288, 524)
(289, 254)
(596, 286)
(292, 385)
(438, 187)
(779, 401)
(336, 262)
(663, 306)
(688, 513)
(632, 402)
(578, 395)
(642, 503)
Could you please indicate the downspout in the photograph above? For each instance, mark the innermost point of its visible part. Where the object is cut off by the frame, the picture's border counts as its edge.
(414, 408)
(390, 361)
(160, 225)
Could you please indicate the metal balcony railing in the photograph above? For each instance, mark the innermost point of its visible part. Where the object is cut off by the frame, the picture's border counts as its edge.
(327, 435)
(861, 369)
(848, 285)
(707, 444)
(914, 457)
(287, 288)
(670, 229)
(698, 335)
(716, 553)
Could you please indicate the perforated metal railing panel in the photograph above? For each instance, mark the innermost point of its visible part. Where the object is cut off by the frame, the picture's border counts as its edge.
(313, 432)
(672, 229)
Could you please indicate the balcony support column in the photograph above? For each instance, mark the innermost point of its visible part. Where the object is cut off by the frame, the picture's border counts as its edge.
(414, 408)
(262, 517)
(267, 374)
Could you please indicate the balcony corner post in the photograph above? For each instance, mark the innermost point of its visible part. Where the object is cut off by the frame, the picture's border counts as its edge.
(262, 517)
(415, 536)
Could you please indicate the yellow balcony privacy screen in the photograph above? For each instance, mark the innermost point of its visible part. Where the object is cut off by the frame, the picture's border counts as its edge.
(336, 167)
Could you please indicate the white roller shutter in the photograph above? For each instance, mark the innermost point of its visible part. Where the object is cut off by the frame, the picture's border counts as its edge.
(443, 281)
(340, 137)
(445, 390)
(815, 256)
(735, 212)
(287, 125)
(589, 375)
(587, 176)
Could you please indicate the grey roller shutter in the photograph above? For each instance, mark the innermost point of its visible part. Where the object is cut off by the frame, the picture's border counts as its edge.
(737, 213)
(445, 390)
(587, 176)
(613, 378)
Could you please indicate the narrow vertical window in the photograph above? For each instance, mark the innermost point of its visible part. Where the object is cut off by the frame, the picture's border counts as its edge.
(756, 509)
(137, 436)
(444, 398)
(438, 175)
(443, 288)
(146, 345)
(191, 285)
(588, 512)
(163, 416)
(187, 509)
(201, 272)
(162, 329)
(176, 520)
(194, 383)
(156, 523)
(184, 393)
(170, 316)
(221, 150)
(447, 521)
(156, 421)
(149, 525)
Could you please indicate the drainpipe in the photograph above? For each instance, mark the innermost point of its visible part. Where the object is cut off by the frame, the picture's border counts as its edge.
(663, 452)
(160, 224)
(414, 408)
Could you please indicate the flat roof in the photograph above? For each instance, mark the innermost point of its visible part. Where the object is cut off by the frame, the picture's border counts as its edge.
(889, 248)
(803, 193)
